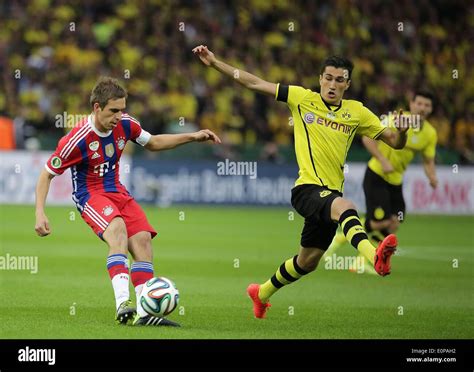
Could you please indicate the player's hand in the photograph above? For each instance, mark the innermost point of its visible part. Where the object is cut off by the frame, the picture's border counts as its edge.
(205, 55)
(402, 122)
(42, 225)
(434, 183)
(387, 167)
(206, 135)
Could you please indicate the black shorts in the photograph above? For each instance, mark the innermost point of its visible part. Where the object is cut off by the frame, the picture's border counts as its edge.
(382, 199)
(313, 202)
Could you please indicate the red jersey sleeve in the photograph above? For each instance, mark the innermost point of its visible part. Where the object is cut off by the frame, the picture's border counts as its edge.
(64, 157)
(137, 133)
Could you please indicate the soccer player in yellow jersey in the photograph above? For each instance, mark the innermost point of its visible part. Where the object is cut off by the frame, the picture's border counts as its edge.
(384, 175)
(324, 127)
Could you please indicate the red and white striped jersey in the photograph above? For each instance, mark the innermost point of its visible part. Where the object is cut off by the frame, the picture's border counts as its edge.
(94, 156)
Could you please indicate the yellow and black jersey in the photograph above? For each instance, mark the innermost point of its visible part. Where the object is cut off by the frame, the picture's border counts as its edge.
(422, 139)
(324, 133)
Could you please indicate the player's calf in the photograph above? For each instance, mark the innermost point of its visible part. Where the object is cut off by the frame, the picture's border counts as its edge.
(308, 258)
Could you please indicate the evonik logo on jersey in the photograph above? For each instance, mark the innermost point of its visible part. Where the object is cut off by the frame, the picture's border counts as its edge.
(309, 118)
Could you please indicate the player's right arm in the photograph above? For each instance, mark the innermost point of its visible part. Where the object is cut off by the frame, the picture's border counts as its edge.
(244, 78)
(42, 188)
(66, 155)
(373, 148)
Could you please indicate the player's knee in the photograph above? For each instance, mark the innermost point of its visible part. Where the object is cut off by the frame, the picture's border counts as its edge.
(339, 206)
(116, 234)
(145, 242)
(380, 225)
(394, 225)
(140, 246)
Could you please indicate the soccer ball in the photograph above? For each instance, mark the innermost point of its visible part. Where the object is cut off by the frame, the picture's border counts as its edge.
(159, 296)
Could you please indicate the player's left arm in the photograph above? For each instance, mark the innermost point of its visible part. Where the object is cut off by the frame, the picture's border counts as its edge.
(371, 126)
(430, 171)
(429, 154)
(393, 138)
(397, 138)
(161, 142)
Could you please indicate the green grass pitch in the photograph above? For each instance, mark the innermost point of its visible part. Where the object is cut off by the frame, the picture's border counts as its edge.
(212, 255)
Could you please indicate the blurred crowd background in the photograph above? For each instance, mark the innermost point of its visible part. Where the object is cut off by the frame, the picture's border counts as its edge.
(52, 52)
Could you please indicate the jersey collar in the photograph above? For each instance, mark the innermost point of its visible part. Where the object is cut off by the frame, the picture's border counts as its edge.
(96, 131)
(329, 106)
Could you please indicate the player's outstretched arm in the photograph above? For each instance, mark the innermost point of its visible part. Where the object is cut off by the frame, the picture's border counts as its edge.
(373, 148)
(242, 77)
(161, 142)
(397, 138)
(430, 171)
(42, 188)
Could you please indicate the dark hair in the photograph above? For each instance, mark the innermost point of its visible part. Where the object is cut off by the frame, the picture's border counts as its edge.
(338, 62)
(106, 88)
(424, 93)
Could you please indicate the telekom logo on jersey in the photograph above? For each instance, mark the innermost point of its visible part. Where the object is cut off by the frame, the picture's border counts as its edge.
(102, 168)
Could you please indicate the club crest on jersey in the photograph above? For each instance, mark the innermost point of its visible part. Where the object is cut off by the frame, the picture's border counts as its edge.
(346, 115)
(107, 211)
(109, 150)
(331, 115)
(121, 143)
(94, 145)
(309, 118)
(56, 162)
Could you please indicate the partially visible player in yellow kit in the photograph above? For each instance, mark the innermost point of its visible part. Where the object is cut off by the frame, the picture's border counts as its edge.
(324, 128)
(384, 175)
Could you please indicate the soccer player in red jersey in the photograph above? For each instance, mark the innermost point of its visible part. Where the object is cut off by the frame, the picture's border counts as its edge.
(92, 150)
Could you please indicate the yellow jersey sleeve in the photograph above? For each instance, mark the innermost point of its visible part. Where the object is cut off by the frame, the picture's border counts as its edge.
(430, 150)
(293, 95)
(369, 124)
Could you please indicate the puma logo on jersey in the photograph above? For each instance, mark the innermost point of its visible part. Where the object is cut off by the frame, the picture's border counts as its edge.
(325, 193)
